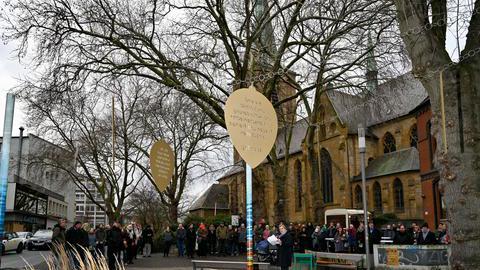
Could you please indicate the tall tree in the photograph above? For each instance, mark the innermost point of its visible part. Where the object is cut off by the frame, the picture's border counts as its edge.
(423, 25)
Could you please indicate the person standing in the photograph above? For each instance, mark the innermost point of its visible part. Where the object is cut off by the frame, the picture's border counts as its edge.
(202, 235)
(181, 235)
(374, 236)
(75, 238)
(212, 240)
(139, 241)
(361, 238)
(389, 232)
(58, 236)
(310, 230)
(129, 239)
(339, 240)
(303, 239)
(285, 248)
(114, 243)
(402, 237)
(222, 238)
(316, 238)
(147, 241)
(352, 238)
(242, 239)
(426, 237)
(191, 240)
(167, 241)
(101, 238)
(92, 241)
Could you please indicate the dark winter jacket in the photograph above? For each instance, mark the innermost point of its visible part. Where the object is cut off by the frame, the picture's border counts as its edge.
(403, 238)
(58, 236)
(114, 238)
(428, 240)
(285, 250)
(147, 235)
(77, 237)
(101, 235)
(181, 234)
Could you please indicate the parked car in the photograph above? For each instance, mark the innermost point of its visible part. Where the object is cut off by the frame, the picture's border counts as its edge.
(25, 236)
(41, 239)
(11, 242)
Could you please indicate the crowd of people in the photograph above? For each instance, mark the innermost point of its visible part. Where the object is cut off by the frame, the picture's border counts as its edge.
(124, 244)
(118, 244)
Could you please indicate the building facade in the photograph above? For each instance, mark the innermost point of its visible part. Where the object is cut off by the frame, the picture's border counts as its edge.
(39, 190)
(86, 210)
(433, 207)
(394, 177)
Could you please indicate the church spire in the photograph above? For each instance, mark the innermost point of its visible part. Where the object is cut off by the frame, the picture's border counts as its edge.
(372, 71)
(265, 46)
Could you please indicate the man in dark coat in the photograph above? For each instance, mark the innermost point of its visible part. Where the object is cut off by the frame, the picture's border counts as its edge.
(426, 237)
(402, 237)
(100, 238)
(148, 241)
(58, 236)
(191, 240)
(285, 248)
(75, 237)
(114, 245)
(374, 236)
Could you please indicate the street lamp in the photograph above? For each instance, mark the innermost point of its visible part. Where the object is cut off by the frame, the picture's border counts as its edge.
(361, 148)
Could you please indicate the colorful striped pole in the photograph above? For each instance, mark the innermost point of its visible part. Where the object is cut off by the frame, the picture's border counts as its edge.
(7, 138)
(249, 217)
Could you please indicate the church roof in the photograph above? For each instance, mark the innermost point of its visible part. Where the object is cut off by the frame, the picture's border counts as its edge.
(216, 193)
(395, 98)
(395, 162)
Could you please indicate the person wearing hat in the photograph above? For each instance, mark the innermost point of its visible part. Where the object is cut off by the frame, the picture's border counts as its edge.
(426, 237)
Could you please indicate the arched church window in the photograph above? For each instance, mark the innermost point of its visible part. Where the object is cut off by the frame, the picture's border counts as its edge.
(327, 180)
(413, 136)
(389, 144)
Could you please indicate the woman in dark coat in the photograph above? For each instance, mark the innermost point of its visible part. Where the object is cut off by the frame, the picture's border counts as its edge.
(191, 240)
(285, 248)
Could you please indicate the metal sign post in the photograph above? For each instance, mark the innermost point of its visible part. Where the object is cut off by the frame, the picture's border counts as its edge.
(7, 138)
(362, 147)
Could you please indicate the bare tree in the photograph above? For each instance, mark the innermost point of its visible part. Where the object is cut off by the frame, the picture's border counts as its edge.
(198, 143)
(81, 123)
(146, 207)
(423, 25)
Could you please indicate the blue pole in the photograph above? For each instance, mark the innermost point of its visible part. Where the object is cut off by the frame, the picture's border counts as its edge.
(248, 172)
(4, 162)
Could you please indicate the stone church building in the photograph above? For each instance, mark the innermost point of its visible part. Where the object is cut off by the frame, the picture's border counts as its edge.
(391, 112)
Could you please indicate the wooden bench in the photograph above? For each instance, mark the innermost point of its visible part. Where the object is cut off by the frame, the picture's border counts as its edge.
(201, 264)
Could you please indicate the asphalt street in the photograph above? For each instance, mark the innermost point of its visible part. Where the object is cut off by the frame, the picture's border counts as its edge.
(19, 261)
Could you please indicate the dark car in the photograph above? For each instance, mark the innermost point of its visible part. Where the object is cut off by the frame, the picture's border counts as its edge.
(42, 239)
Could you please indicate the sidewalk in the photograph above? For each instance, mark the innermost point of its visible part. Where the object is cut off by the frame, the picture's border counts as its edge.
(157, 261)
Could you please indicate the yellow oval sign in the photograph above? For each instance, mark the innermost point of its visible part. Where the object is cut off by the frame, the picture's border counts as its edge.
(251, 123)
(162, 163)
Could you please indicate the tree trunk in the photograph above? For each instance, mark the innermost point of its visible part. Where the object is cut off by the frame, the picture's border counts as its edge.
(173, 212)
(457, 155)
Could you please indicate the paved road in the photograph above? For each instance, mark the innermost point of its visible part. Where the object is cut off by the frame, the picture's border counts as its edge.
(13, 260)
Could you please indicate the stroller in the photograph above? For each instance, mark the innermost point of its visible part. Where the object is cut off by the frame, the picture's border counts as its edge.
(266, 252)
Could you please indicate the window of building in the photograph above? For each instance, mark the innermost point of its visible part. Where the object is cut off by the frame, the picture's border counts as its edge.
(413, 136)
(389, 144)
(377, 197)
(370, 159)
(358, 197)
(398, 194)
(327, 181)
(298, 177)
